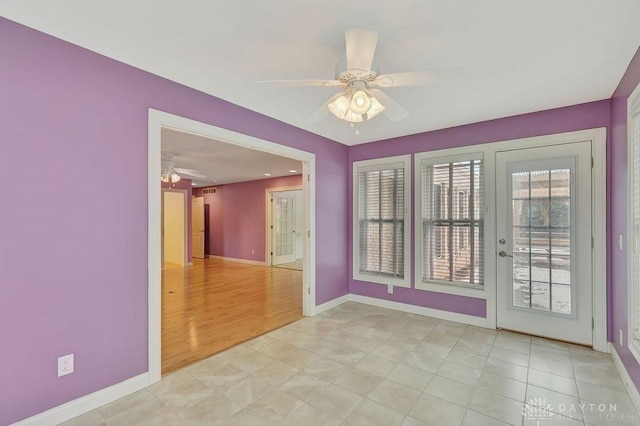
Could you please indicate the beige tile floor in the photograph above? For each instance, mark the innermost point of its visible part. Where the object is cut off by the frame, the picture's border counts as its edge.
(362, 365)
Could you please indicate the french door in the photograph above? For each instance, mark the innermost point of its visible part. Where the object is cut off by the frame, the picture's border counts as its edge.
(544, 271)
(283, 237)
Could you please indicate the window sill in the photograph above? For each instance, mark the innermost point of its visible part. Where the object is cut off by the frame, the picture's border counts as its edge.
(452, 289)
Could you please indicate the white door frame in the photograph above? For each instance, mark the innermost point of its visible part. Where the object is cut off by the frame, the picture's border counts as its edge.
(268, 212)
(598, 138)
(572, 326)
(185, 239)
(159, 120)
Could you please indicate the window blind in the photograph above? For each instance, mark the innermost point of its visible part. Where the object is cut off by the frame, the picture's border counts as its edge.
(452, 222)
(381, 222)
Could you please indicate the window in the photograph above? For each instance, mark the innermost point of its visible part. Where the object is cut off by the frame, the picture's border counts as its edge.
(633, 145)
(450, 193)
(381, 226)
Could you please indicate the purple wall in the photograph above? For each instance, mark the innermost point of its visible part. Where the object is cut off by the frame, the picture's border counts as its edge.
(186, 185)
(617, 214)
(578, 117)
(237, 217)
(75, 122)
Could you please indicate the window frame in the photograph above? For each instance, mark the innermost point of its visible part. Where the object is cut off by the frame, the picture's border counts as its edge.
(384, 163)
(633, 249)
(438, 157)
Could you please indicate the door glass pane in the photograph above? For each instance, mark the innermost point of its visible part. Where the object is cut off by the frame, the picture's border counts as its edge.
(561, 269)
(561, 298)
(521, 267)
(521, 293)
(540, 270)
(541, 220)
(540, 296)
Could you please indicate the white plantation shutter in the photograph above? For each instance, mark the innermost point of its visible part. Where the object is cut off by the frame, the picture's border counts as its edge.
(381, 222)
(452, 221)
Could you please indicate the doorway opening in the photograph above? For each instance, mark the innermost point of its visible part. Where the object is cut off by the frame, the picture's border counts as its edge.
(157, 122)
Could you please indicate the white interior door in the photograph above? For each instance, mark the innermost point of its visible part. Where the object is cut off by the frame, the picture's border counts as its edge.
(197, 227)
(283, 232)
(173, 226)
(544, 280)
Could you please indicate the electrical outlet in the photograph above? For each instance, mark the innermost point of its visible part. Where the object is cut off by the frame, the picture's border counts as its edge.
(621, 340)
(65, 365)
(253, 251)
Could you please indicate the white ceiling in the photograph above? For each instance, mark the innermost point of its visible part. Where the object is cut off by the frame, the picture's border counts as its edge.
(223, 162)
(491, 58)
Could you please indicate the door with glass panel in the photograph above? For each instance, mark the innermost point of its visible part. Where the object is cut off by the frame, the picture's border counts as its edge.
(544, 278)
(283, 236)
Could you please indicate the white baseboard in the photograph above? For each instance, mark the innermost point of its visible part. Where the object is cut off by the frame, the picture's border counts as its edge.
(233, 259)
(84, 404)
(420, 310)
(331, 304)
(626, 379)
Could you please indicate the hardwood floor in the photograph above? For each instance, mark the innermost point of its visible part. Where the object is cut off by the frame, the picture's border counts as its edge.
(216, 304)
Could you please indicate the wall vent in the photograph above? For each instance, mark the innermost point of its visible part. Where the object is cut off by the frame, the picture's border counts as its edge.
(209, 191)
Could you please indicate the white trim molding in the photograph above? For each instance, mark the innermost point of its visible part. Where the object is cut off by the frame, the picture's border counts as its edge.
(626, 379)
(332, 304)
(403, 307)
(439, 157)
(398, 162)
(420, 310)
(233, 259)
(82, 405)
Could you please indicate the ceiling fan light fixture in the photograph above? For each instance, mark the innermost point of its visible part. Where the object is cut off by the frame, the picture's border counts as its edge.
(339, 107)
(170, 176)
(360, 102)
(376, 108)
(343, 108)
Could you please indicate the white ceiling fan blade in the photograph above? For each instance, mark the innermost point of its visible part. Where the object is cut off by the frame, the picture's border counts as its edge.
(321, 112)
(391, 108)
(189, 172)
(301, 83)
(361, 46)
(416, 78)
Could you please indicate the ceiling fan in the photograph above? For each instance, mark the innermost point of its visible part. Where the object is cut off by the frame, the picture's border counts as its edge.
(171, 174)
(360, 99)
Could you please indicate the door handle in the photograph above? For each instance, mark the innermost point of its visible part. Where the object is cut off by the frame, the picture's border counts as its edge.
(503, 253)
